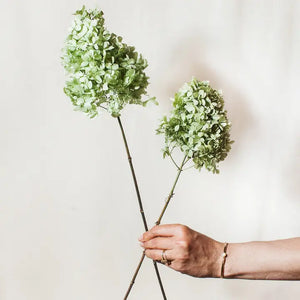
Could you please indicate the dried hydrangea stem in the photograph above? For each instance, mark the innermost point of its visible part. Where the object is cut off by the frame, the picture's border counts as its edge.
(180, 169)
(142, 214)
(133, 175)
(134, 276)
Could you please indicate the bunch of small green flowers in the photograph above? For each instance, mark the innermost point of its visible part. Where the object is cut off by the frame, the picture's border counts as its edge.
(102, 71)
(198, 125)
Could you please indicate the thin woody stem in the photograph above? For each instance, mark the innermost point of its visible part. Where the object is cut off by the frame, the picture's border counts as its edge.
(134, 276)
(174, 162)
(142, 214)
(180, 169)
(192, 166)
(185, 159)
(136, 273)
(133, 175)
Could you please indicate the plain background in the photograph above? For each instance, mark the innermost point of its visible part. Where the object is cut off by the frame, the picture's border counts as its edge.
(69, 219)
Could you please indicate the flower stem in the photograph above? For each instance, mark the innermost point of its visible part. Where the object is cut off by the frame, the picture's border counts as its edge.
(133, 175)
(174, 162)
(185, 160)
(134, 276)
(142, 214)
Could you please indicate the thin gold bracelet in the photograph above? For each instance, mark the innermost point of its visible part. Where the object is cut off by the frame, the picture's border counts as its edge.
(224, 255)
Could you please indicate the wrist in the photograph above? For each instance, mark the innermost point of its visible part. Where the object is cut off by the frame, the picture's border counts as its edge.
(216, 259)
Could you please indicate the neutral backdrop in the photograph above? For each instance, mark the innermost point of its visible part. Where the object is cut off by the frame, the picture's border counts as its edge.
(69, 219)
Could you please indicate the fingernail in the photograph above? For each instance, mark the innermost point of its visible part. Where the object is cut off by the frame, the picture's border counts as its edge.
(142, 245)
(141, 238)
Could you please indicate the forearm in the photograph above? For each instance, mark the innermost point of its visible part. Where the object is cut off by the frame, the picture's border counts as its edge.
(277, 260)
(198, 255)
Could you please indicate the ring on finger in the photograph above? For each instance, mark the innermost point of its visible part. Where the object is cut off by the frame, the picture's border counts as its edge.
(164, 259)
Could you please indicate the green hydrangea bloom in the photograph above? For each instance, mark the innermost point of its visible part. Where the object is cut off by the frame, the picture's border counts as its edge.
(198, 125)
(102, 70)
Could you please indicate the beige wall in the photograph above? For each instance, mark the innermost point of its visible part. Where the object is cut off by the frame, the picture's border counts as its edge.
(68, 214)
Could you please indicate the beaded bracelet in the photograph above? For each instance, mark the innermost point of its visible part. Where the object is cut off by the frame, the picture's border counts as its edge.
(224, 255)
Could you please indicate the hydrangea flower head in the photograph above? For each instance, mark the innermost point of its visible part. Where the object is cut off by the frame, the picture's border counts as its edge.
(198, 125)
(102, 70)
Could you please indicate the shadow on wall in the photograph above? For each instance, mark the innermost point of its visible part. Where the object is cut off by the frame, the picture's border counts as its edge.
(188, 60)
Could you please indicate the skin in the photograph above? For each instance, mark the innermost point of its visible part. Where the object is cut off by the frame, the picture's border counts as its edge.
(198, 255)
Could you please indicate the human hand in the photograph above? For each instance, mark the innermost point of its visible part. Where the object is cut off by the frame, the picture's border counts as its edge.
(186, 250)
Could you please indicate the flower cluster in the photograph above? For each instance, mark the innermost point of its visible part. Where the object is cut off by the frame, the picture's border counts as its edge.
(198, 125)
(102, 70)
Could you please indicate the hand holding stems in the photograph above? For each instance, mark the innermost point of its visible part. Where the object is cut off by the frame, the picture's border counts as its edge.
(188, 251)
(198, 255)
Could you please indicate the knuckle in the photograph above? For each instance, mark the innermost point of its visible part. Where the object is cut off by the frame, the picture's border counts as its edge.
(150, 244)
(183, 255)
(184, 238)
(153, 230)
(148, 235)
(152, 234)
(150, 254)
(157, 257)
(183, 231)
(147, 253)
(184, 245)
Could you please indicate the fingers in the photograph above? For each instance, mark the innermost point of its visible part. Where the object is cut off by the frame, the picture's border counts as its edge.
(156, 254)
(167, 230)
(159, 243)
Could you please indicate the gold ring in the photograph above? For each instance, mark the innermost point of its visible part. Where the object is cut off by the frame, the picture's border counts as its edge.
(163, 257)
(168, 261)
